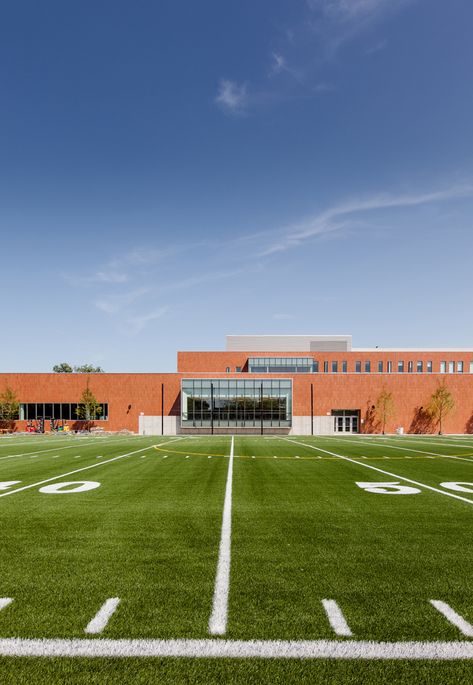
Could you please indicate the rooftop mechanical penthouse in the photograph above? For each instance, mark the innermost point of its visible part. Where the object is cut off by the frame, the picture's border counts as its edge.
(298, 385)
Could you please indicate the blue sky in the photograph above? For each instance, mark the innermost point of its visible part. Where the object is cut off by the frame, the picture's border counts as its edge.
(171, 172)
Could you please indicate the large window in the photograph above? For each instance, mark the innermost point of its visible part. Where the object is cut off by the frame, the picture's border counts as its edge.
(62, 412)
(236, 403)
(282, 365)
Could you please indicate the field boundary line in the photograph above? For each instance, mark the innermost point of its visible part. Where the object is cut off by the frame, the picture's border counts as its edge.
(411, 438)
(386, 473)
(237, 649)
(407, 449)
(54, 449)
(83, 468)
(219, 616)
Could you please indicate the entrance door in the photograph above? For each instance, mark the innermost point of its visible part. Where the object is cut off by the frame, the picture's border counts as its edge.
(346, 421)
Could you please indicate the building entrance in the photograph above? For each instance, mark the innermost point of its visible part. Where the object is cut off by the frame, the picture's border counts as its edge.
(346, 420)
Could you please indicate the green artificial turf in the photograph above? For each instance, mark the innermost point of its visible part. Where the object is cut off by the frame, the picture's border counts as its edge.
(302, 531)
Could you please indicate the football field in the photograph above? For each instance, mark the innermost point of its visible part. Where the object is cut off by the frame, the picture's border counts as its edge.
(236, 559)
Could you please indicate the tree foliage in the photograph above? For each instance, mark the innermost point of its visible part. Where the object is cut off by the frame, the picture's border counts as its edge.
(385, 408)
(88, 368)
(88, 408)
(441, 404)
(64, 367)
(9, 405)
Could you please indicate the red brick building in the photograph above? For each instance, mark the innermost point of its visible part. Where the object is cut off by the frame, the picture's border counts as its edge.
(271, 384)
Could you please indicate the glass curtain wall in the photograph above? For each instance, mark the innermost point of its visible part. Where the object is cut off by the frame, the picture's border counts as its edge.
(64, 412)
(281, 365)
(236, 403)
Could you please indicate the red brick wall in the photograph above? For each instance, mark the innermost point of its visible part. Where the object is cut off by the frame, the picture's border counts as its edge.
(141, 391)
(331, 391)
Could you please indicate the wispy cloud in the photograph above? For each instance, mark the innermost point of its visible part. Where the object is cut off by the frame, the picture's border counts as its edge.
(342, 216)
(301, 52)
(278, 63)
(350, 10)
(232, 97)
(134, 325)
(336, 22)
(106, 275)
(114, 303)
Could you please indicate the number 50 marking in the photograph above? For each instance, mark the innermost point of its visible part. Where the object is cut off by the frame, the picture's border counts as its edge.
(395, 488)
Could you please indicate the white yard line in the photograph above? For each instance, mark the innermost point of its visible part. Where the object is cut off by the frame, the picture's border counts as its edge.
(336, 618)
(411, 438)
(84, 468)
(51, 449)
(386, 473)
(452, 617)
(102, 617)
(4, 602)
(238, 649)
(403, 449)
(219, 616)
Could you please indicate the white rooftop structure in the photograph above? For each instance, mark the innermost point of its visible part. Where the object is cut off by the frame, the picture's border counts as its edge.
(288, 343)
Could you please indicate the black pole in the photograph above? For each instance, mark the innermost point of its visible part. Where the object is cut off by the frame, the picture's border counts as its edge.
(311, 409)
(261, 405)
(211, 408)
(162, 408)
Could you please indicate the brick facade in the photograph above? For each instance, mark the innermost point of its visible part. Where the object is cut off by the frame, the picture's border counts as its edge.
(129, 395)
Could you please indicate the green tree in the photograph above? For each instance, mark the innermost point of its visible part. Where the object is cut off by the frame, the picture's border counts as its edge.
(64, 367)
(88, 408)
(441, 404)
(9, 406)
(385, 408)
(88, 368)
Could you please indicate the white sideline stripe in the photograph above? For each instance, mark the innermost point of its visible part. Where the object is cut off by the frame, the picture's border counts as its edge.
(103, 616)
(4, 602)
(336, 618)
(51, 449)
(413, 439)
(386, 473)
(407, 449)
(84, 468)
(452, 617)
(219, 616)
(238, 649)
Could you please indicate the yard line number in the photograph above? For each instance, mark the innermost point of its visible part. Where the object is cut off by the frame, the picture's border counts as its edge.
(395, 488)
(65, 488)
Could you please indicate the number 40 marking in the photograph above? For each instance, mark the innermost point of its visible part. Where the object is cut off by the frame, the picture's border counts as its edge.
(395, 487)
(58, 488)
